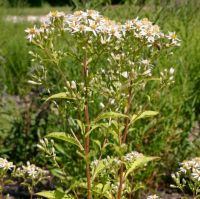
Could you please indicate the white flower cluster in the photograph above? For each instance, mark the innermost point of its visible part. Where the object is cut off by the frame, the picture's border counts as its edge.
(191, 167)
(153, 197)
(132, 156)
(188, 176)
(93, 23)
(31, 171)
(108, 161)
(129, 157)
(5, 164)
(144, 29)
(46, 28)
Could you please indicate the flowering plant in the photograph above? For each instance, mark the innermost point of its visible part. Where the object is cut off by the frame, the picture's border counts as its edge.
(117, 62)
(188, 176)
(5, 166)
(30, 175)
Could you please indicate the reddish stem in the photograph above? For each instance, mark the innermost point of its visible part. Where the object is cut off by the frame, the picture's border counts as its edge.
(87, 138)
(123, 139)
(127, 120)
(119, 193)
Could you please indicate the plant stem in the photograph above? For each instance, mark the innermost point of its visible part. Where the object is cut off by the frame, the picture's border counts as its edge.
(127, 120)
(87, 120)
(1, 188)
(119, 193)
(123, 138)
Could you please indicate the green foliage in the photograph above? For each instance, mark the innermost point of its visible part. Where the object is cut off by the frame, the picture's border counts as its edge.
(65, 137)
(142, 115)
(62, 95)
(138, 163)
(54, 195)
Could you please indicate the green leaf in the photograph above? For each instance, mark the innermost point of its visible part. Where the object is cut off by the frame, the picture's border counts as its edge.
(98, 169)
(65, 137)
(47, 194)
(108, 115)
(82, 155)
(58, 173)
(95, 127)
(98, 143)
(106, 188)
(81, 126)
(62, 95)
(54, 195)
(142, 115)
(99, 190)
(139, 163)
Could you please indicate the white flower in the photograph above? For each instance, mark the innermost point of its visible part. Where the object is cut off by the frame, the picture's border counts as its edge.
(112, 101)
(94, 163)
(132, 156)
(93, 14)
(56, 14)
(101, 105)
(5, 165)
(150, 39)
(145, 62)
(148, 72)
(171, 71)
(73, 84)
(32, 33)
(32, 171)
(183, 170)
(128, 25)
(173, 38)
(153, 197)
(125, 74)
(196, 174)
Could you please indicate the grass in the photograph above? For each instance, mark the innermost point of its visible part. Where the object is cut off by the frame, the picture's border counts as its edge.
(32, 11)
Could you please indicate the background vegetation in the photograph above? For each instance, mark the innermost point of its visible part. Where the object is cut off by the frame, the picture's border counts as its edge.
(173, 136)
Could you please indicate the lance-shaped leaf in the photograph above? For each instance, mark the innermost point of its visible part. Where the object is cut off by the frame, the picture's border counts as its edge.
(62, 95)
(144, 114)
(54, 195)
(95, 127)
(47, 194)
(81, 126)
(108, 115)
(138, 163)
(65, 137)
